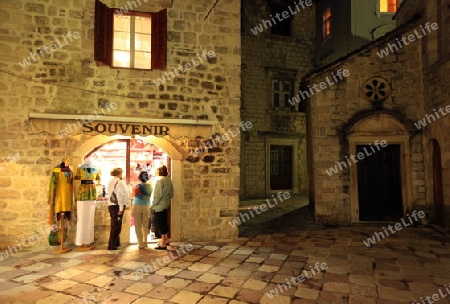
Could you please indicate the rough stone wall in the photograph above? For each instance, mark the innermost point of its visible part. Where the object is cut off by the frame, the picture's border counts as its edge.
(260, 52)
(332, 108)
(68, 81)
(436, 68)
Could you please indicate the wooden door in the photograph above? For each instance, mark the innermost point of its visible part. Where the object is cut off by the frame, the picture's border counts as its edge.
(379, 184)
(280, 167)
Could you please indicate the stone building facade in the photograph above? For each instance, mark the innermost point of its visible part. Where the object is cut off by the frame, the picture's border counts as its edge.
(435, 137)
(275, 56)
(370, 157)
(50, 82)
(347, 25)
(376, 121)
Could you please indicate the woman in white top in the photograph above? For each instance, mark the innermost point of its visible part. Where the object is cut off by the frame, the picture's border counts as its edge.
(118, 199)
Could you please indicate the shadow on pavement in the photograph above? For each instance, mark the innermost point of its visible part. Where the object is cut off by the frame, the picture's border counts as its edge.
(291, 216)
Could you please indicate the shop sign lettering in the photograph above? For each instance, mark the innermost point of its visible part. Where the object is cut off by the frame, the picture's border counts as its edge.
(125, 129)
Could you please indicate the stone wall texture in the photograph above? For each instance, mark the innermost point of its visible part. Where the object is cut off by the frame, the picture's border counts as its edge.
(69, 81)
(436, 70)
(262, 53)
(331, 109)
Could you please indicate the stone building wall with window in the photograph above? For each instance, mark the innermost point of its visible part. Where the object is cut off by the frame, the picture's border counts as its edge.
(347, 25)
(381, 184)
(49, 75)
(275, 55)
(436, 110)
(390, 90)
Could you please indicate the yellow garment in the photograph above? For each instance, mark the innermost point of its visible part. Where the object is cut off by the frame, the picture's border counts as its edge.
(60, 193)
(64, 192)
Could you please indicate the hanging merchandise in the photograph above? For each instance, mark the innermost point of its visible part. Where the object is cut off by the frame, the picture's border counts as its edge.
(61, 200)
(86, 203)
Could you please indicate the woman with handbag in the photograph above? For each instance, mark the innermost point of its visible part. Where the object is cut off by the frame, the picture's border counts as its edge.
(160, 201)
(118, 199)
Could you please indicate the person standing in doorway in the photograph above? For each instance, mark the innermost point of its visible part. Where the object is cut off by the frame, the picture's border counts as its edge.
(152, 227)
(141, 207)
(118, 200)
(160, 201)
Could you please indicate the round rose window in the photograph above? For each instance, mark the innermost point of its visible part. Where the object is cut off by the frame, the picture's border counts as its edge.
(376, 89)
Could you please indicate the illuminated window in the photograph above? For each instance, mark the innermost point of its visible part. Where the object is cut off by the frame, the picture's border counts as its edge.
(326, 23)
(134, 40)
(388, 6)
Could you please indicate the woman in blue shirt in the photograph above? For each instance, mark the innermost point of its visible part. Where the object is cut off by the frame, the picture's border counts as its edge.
(141, 208)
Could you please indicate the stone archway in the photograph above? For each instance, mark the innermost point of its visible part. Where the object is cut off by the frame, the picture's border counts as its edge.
(102, 217)
(438, 186)
(367, 130)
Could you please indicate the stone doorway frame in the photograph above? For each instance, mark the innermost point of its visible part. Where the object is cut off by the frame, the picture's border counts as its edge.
(171, 150)
(437, 182)
(366, 131)
(295, 162)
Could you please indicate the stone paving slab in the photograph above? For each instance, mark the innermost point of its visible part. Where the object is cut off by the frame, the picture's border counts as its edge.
(247, 270)
(267, 264)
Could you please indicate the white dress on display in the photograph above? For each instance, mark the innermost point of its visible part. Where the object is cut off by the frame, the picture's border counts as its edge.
(86, 203)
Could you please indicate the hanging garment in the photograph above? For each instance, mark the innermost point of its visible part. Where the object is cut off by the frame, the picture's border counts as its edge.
(86, 203)
(88, 176)
(85, 222)
(61, 195)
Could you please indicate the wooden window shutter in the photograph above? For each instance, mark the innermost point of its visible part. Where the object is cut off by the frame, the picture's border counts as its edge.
(103, 33)
(392, 6)
(159, 39)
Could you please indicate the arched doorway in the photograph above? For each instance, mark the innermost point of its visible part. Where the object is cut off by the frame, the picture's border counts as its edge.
(380, 184)
(438, 189)
(134, 156)
(174, 157)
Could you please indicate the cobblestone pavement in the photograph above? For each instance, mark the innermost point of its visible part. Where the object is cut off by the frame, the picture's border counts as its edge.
(280, 257)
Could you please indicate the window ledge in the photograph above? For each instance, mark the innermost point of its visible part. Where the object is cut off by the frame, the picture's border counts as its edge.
(326, 39)
(381, 14)
(275, 111)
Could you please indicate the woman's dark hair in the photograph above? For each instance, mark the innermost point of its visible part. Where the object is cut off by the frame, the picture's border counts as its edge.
(143, 176)
(162, 171)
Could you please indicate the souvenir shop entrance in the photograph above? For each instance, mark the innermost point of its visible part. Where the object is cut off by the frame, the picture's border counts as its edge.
(134, 156)
(169, 141)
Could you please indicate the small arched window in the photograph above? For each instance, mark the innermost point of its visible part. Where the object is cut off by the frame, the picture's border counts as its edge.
(326, 23)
